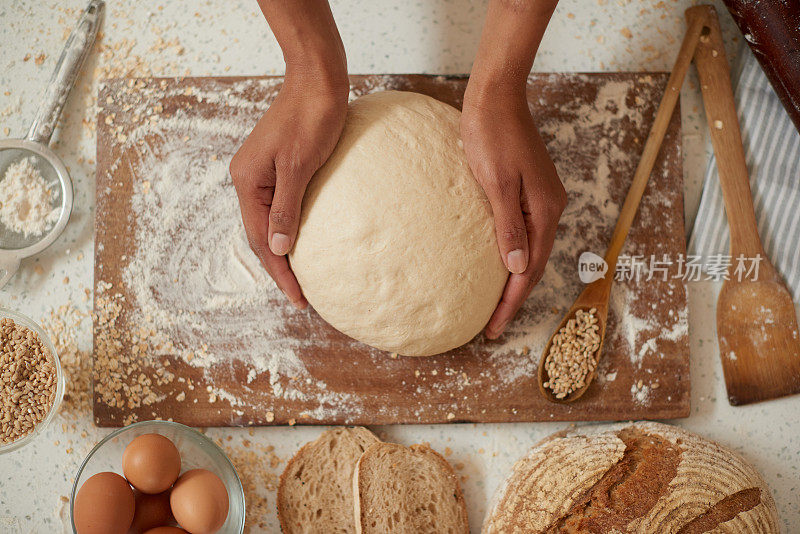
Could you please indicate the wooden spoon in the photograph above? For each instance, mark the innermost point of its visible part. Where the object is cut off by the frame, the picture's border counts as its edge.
(756, 323)
(597, 293)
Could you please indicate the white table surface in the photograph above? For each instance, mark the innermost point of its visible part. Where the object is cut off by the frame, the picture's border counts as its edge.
(184, 37)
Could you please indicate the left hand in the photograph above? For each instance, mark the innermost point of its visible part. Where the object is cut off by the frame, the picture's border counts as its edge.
(511, 163)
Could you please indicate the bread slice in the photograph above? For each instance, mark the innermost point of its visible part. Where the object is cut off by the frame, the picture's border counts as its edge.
(315, 493)
(407, 490)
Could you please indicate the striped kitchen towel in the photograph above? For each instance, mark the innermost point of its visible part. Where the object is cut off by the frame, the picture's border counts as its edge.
(772, 149)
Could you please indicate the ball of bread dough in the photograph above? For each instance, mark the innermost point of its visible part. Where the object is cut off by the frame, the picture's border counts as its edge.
(396, 246)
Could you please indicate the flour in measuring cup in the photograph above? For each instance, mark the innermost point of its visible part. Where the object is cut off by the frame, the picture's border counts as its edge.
(25, 200)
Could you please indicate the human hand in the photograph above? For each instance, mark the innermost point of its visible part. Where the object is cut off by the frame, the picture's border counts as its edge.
(511, 163)
(272, 168)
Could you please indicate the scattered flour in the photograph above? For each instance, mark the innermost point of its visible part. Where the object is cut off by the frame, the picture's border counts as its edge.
(607, 377)
(193, 272)
(641, 393)
(26, 200)
(641, 335)
(647, 347)
(197, 289)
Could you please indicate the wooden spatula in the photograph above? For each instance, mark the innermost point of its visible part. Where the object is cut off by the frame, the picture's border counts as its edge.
(759, 339)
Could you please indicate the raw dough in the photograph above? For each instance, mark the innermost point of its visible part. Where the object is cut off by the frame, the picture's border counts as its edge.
(397, 244)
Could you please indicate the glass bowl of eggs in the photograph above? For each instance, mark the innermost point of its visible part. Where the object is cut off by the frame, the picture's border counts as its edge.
(157, 477)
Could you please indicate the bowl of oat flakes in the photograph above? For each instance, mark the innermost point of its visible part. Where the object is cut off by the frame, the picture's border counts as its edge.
(31, 380)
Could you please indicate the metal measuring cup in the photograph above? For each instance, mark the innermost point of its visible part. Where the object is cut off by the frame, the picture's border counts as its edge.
(15, 246)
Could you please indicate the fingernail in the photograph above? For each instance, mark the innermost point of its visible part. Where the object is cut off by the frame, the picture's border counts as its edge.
(516, 261)
(497, 332)
(279, 244)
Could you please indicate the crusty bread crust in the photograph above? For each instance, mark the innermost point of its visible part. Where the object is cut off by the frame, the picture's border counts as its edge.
(636, 477)
(326, 464)
(364, 481)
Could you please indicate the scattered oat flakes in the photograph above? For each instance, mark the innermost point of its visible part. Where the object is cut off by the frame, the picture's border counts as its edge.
(257, 466)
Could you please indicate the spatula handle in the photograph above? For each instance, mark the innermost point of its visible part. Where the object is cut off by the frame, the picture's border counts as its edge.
(715, 82)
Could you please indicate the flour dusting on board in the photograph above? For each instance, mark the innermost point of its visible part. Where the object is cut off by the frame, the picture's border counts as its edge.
(193, 272)
(181, 283)
(195, 291)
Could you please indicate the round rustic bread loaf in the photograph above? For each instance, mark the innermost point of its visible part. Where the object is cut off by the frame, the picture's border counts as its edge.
(636, 477)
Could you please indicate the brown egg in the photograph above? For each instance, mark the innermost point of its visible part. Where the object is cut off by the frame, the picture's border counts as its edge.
(199, 502)
(103, 505)
(151, 511)
(166, 530)
(151, 463)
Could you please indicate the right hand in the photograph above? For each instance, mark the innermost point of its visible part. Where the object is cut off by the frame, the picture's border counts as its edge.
(272, 168)
(510, 161)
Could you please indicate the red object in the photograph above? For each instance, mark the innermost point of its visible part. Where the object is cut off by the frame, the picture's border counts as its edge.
(772, 29)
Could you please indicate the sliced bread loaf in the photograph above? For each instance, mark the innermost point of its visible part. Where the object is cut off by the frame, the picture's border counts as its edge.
(407, 490)
(631, 478)
(315, 493)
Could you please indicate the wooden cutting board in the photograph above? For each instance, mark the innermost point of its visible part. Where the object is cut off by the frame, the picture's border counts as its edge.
(189, 328)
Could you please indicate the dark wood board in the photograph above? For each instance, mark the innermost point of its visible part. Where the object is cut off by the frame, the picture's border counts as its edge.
(595, 126)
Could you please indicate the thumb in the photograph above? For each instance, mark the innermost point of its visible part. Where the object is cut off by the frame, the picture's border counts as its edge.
(512, 235)
(284, 215)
